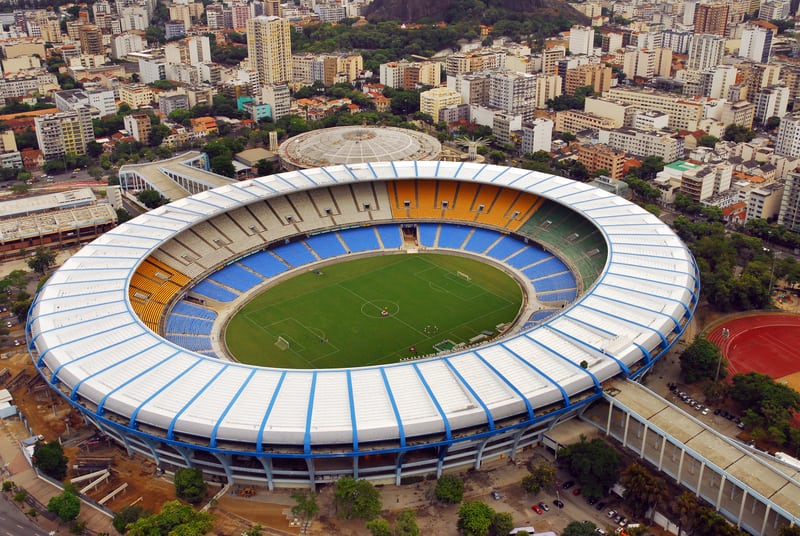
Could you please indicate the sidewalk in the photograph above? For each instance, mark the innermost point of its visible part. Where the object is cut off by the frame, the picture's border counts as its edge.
(16, 468)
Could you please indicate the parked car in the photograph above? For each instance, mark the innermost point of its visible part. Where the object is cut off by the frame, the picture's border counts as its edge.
(576, 491)
(536, 508)
(558, 504)
(568, 484)
(495, 495)
(599, 506)
(543, 506)
(611, 513)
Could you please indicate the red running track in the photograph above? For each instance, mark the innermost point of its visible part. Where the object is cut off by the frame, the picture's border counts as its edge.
(769, 344)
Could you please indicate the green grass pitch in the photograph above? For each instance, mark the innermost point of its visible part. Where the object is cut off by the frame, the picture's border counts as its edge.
(372, 311)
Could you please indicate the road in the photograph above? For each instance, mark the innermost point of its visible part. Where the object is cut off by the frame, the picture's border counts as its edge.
(14, 523)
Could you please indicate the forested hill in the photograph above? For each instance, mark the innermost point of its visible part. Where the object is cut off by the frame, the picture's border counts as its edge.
(483, 11)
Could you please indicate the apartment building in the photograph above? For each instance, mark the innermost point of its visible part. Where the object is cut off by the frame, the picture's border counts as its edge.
(64, 133)
(683, 114)
(644, 143)
(269, 49)
(599, 156)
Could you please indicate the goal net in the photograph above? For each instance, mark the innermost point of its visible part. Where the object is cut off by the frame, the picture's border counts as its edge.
(282, 343)
(463, 276)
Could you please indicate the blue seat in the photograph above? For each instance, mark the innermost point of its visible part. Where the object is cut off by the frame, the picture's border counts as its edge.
(480, 240)
(236, 277)
(192, 342)
(453, 236)
(551, 266)
(527, 256)
(562, 295)
(190, 309)
(294, 253)
(188, 324)
(326, 245)
(544, 314)
(427, 234)
(209, 289)
(505, 247)
(391, 236)
(264, 263)
(562, 281)
(360, 239)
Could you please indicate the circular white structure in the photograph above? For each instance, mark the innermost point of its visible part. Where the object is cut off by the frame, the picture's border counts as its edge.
(355, 144)
(241, 423)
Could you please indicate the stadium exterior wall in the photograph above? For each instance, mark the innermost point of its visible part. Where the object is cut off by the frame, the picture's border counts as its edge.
(73, 369)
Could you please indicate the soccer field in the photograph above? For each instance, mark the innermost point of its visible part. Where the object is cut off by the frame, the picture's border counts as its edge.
(372, 311)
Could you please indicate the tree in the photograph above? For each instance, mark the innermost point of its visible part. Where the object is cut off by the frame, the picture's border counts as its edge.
(356, 499)
(379, 527)
(701, 360)
(151, 198)
(502, 523)
(594, 463)
(42, 260)
(255, 530)
(738, 133)
(450, 489)
(475, 518)
(264, 167)
(94, 149)
(540, 476)
(407, 524)
(222, 165)
(708, 141)
(786, 530)
(189, 485)
(127, 515)
(306, 506)
(175, 519)
(685, 507)
(643, 491)
(67, 505)
(579, 528)
(50, 459)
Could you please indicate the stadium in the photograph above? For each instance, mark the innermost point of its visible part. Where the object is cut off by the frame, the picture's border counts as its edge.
(131, 329)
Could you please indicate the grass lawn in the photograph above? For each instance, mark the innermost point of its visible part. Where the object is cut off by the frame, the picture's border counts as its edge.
(372, 311)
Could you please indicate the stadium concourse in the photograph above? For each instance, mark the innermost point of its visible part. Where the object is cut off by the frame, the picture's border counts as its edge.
(97, 329)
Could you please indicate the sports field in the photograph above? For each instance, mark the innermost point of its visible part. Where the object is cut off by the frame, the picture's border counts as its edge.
(372, 311)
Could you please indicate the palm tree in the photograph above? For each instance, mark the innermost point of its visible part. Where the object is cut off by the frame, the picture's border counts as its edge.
(685, 507)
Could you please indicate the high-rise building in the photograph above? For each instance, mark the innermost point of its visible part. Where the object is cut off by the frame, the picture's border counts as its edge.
(717, 82)
(91, 39)
(537, 136)
(581, 40)
(788, 142)
(789, 215)
(174, 28)
(596, 75)
(433, 100)
(774, 10)
(269, 49)
(64, 133)
(272, 8)
(138, 126)
(711, 18)
(240, 14)
(513, 92)
(770, 102)
(705, 51)
(756, 76)
(756, 43)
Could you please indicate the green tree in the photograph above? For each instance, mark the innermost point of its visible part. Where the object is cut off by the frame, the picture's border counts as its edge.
(643, 491)
(708, 141)
(264, 167)
(738, 133)
(579, 528)
(502, 523)
(42, 260)
(306, 506)
(66, 505)
(127, 515)
(701, 360)
(379, 527)
(450, 489)
(786, 530)
(406, 524)
(255, 530)
(50, 459)
(540, 476)
(151, 198)
(475, 518)
(173, 519)
(189, 484)
(594, 463)
(356, 499)
(223, 165)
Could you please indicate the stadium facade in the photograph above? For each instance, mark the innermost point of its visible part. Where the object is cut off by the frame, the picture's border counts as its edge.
(93, 330)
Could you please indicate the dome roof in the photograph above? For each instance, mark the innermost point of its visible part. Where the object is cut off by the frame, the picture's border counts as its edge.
(356, 144)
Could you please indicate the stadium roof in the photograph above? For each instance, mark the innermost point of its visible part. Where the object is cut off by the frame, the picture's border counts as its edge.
(85, 331)
(175, 177)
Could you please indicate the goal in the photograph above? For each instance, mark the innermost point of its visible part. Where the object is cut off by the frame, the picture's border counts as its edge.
(282, 343)
(463, 276)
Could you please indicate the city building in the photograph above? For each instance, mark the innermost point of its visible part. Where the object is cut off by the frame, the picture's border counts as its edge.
(770, 102)
(513, 92)
(433, 100)
(152, 69)
(788, 139)
(581, 40)
(706, 181)
(64, 133)
(705, 51)
(136, 95)
(278, 98)
(643, 143)
(124, 44)
(764, 201)
(683, 114)
(711, 18)
(174, 29)
(410, 75)
(91, 39)
(574, 121)
(269, 49)
(756, 44)
(101, 100)
(169, 103)
(789, 215)
(602, 157)
(596, 75)
(138, 126)
(537, 135)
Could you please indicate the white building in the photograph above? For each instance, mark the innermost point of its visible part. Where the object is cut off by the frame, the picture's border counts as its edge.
(152, 69)
(717, 82)
(537, 135)
(122, 45)
(771, 101)
(643, 143)
(756, 43)
(512, 92)
(72, 99)
(279, 99)
(788, 142)
(581, 40)
(705, 51)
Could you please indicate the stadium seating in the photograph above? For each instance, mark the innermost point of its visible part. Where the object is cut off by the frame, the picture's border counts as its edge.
(453, 236)
(189, 309)
(526, 257)
(561, 295)
(507, 246)
(360, 239)
(545, 268)
(427, 234)
(213, 291)
(236, 277)
(188, 325)
(264, 263)
(480, 240)
(192, 342)
(560, 281)
(294, 253)
(326, 245)
(391, 236)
